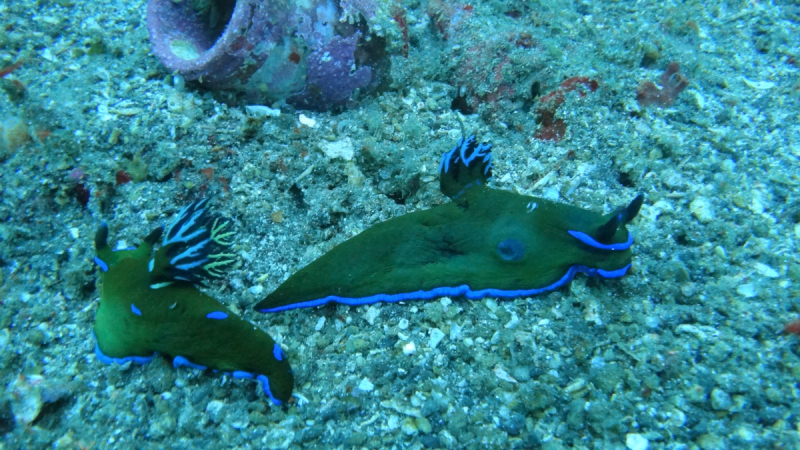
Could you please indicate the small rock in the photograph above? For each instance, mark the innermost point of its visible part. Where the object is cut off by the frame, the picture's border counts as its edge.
(501, 373)
(436, 336)
(213, 409)
(513, 424)
(447, 440)
(5, 336)
(307, 121)
(372, 313)
(366, 385)
(635, 441)
(261, 111)
(720, 400)
(342, 149)
(766, 270)
(26, 398)
(409, 348)
(455, 332)
(711, 441)
(256, 290)
(747, 290)
(702, 210)
(513, 322)
(424, 425)
(409, 426)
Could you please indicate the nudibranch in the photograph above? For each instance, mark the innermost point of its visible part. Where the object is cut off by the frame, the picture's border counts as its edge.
(485, 243)
(150, 303)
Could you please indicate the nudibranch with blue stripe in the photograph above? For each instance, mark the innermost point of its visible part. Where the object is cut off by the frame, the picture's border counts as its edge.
(485, 243)
(150, 303)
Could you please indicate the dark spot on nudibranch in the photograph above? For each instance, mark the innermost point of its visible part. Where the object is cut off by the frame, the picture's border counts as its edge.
(135, 310)
(277, 352)
(511, 249)
(217, 315)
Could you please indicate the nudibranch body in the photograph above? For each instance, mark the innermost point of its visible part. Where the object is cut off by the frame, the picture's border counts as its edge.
(150, 303)
(485, 243)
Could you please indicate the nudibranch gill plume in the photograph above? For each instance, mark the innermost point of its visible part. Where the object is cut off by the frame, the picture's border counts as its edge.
(150, 303)
(484, 243)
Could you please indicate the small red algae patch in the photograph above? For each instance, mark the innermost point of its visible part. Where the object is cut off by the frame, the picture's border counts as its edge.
(672, 83)
(792, 327)
(552, 129)
(123, 177)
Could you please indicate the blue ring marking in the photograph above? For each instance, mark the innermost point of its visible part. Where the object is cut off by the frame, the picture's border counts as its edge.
(242, 374)
(511, 249)
(217, 315)
(277, 352)
(180, 361)
(457, 291)
(102, 357)
(265, 385)
(588, 240)
(101, 263)
(135, 310)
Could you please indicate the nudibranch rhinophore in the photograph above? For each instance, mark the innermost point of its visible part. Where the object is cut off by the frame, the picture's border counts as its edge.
(485, 243)
(150, 303)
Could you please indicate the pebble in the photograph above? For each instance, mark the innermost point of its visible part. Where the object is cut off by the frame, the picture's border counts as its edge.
(766, 270)
(342, 149)
(26, 398)
(372, 313)
(513, 322)
(409, 348)
(5, 336)
(436, 336)
(409, 426)
(307, 121)
(262, 111)
(635, 441)
(501, 373)
(702, 210)
(366, 385)
(320, 324)
(747, 290)
(256, 290)
(424, 425)
(402, 324)
(455, 332)
(720, 400)
(214, 407)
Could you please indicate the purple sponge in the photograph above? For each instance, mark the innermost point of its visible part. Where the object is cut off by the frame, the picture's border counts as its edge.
(332, 75)
(269, 50)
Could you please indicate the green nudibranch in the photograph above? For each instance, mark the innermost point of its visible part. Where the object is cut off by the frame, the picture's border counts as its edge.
(486, 242)
(150, 303)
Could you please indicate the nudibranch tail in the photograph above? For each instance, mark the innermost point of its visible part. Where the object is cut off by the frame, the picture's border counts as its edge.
(465, 165)
(619, 218)
(487, 242)
(150, 303)
(604, 237)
